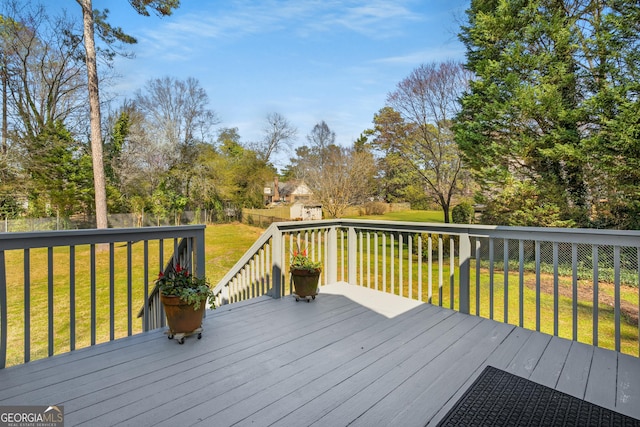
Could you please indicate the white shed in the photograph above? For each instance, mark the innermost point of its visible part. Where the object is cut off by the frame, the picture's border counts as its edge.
(304, 212)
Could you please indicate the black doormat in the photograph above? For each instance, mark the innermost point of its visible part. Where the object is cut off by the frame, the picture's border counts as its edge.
(498, 398)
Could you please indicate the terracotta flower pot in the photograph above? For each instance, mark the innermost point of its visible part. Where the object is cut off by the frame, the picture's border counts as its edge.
(181, 317)
(305, 282)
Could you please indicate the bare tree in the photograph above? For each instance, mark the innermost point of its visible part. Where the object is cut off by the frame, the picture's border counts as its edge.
(321, 136)
(428, 101)
(42, 67)
(176, 114)
(343, 180)
(338, 176)
(278, 134)
(176, 122)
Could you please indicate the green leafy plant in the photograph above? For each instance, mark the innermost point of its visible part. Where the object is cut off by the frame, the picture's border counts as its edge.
(180, 283)
(301, 261)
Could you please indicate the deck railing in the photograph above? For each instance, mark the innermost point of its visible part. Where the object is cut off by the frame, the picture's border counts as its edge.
(579, 284)
(53, 283)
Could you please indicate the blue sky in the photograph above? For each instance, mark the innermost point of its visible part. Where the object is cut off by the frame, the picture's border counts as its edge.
(309, 60)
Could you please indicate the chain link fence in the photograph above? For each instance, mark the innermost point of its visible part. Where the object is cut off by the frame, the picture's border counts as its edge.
(127, 220)
(585, 259)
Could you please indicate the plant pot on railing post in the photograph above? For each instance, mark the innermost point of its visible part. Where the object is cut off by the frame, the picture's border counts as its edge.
(305, 282)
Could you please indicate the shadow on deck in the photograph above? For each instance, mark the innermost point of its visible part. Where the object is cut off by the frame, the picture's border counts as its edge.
(354, 355)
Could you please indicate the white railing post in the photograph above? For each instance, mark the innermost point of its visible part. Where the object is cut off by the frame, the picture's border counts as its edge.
(464, 260)
(352, 252)
(332, 256)
(276, 266)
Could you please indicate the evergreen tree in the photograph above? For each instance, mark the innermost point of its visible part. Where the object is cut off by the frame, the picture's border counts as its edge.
(551, 80)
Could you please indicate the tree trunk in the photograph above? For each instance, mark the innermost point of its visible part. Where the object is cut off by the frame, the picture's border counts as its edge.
(94, 118)
(4, 105)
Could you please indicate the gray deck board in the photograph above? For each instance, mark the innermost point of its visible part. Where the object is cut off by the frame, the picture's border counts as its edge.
(549, 367)
(352, 356)
(573, 379)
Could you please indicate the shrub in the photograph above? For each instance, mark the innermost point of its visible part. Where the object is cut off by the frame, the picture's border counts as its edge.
(375, 208)
(462, 213)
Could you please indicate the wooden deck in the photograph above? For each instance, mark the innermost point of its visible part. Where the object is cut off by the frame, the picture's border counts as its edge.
(352, 356)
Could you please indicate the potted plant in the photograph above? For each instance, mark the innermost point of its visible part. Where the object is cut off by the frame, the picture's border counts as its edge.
(305, 274)
(184, 297)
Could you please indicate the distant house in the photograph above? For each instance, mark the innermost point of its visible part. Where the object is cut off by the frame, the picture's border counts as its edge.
(287, 192)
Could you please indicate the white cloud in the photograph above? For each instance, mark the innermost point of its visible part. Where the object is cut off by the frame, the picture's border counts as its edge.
(424, 56)
(305, 18)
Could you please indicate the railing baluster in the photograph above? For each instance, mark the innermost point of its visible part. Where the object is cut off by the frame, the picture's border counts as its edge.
(27, 304)
(419, 259)
(92, 255)
(556, 296)
(384, 262)
(400, 266)
(537, 249)
(505, 261)
(368, 259)
(342, 257)
(263, 271)
(377, 261)
(452, 256)
(574, 290)
(393, 262)
(72, 297)
(267, 267)
(112, 296)
(145, 315)
(50, 299)
(521, 282)
(596, 298)
(440, 268)
(491, 277)
(360, 261)
(3, 311)
(478, 265)
(430, 269)
(129, 290)
(616, 284)
(410, 264)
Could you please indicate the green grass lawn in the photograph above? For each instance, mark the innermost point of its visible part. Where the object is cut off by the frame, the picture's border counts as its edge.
(410, 215)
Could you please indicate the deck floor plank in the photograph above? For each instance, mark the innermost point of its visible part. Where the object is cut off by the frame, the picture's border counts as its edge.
(601, 385)
(354, 355)
(573, 379)
(551, 363)
(628, 386)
